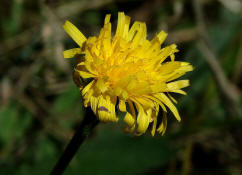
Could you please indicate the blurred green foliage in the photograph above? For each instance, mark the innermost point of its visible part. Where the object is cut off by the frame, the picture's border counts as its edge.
(41, 107)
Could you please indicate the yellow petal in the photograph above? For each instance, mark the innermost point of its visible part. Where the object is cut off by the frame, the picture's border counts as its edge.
(107, 19)
(94, 103)
(117, 91)
(178, 72)
(174, 100)
(85, 74)
(129, 119)
(162, 36)
(106, 109)
(179, 92)
(100, 84)
(131, 108)
(155, 99)
(87, 97)
(126, 27)
(138, 34)
(163, 125)
(154, 117)
(89, 67)
(154, 126)
(164, 99)
(74, 33)
(71, 52)
(87, 88)
(124, 95)
(167, 51)
(172, 56)
(81, 64)
(121, 23)
(122, 105)
(145, 102)
(143, 119)
(178, 84)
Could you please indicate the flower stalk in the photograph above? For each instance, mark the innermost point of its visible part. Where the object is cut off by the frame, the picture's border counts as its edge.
(86, 127)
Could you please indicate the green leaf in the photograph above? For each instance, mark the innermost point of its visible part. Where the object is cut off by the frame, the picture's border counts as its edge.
(115, 152)
(67, 100)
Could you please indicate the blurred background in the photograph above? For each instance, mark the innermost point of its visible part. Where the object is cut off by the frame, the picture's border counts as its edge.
(40, 107)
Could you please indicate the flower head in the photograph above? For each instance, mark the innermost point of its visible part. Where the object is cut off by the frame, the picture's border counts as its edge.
(128, 71)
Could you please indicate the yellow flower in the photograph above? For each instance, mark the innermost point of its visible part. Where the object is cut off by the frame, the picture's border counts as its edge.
(129, 71)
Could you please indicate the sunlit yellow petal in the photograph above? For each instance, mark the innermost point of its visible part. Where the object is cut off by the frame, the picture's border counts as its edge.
(129, 119)
(71, 52)
(163, 125)
(74, 33)
(153, 126)
(143, 119)
(162, 36)
(107, 18)
(179, 92)
(178, 84)
(121, 23)
(94, 103)
(85, 74)
(122, 105)
(100, 84)
(162, 97)
(106, 109)
(87, 88)
(174, 100)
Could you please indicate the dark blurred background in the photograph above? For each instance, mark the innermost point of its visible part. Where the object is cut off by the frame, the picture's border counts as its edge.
(40, 107)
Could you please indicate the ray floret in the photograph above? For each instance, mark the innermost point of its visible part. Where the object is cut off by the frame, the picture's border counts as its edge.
(128, 70)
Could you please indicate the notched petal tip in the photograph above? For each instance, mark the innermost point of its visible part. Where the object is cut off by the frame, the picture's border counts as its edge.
(66, 23)
(107, 18)
(162, 36)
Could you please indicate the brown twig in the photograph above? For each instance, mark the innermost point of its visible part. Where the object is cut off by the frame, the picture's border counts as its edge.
(238, 65)
(181, 36)
(18, 40)
(71, 8)
(227, 89)
(186, 167)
